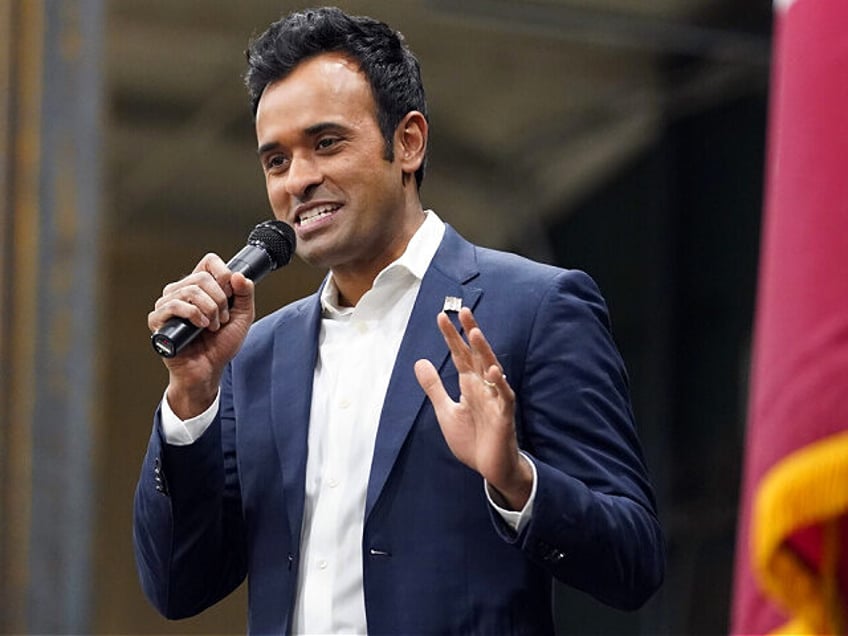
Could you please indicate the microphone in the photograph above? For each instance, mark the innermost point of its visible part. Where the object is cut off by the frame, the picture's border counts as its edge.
(269, 245)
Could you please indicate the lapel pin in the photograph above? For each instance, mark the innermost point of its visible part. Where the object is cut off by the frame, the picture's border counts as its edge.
(452, 303)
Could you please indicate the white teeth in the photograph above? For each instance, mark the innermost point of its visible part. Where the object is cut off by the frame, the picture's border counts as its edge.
(317, 213)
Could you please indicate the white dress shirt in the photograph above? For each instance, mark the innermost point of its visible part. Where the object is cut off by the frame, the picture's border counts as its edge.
(357, 349)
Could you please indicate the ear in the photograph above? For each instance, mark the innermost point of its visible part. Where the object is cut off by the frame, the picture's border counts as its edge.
(411, 141)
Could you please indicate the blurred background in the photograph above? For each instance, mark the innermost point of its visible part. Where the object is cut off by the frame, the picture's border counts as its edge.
(622, 137)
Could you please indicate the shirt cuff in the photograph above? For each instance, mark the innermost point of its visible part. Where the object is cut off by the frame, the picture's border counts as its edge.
(517, 520)
(179, 432)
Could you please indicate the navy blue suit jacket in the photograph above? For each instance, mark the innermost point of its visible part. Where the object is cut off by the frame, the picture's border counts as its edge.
(436, 559)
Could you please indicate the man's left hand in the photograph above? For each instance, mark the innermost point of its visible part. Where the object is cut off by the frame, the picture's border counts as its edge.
(480, 428)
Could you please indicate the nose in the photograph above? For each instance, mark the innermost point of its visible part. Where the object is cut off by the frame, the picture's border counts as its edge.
(302, 177)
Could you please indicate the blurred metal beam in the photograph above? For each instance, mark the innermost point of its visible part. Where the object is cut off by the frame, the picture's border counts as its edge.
(612, 29)
(20, 24)
(49, 353)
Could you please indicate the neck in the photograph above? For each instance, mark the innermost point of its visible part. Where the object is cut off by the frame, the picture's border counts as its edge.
(354, 280)
(352, 288)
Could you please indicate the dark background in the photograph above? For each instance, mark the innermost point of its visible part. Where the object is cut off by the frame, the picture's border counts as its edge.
(622, 137)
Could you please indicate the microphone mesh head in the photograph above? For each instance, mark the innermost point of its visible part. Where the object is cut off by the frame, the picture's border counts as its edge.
(276, 238)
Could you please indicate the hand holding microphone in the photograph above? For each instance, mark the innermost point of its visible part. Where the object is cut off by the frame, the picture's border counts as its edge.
(269, 246)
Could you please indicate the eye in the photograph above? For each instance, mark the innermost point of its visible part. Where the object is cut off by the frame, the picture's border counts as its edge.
(325, 143)
(275, 163)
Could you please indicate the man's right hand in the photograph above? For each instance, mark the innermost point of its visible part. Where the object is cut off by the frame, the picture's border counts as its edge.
(202, 298)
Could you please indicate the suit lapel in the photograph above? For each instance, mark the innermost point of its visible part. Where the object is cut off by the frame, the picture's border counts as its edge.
(453, 266)
(294, 353)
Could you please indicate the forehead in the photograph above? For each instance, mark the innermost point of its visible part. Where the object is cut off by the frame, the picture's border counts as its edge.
(326, 87)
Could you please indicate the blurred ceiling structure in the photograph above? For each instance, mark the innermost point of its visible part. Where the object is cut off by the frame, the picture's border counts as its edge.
(533, 104)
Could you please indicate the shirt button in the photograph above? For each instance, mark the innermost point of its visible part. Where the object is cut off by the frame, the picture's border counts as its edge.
(322, 564)
(344, 403)
(362, 327)
(332, 483)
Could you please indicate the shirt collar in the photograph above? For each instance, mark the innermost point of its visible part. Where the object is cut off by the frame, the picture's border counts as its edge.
(415, 260)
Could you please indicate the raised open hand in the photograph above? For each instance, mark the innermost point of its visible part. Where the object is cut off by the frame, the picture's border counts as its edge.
(480, 428)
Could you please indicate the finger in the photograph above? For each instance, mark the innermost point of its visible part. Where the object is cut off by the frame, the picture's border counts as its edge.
(176, 309)
(189, 299)
(217, 268)
(467, 319)
(491, 386)
(211, 279)
(221, 274)
(430, 381)
(200, 290)
(205, 280)
(460, 351)
(243, 291)
(482, 353)
(495, 377)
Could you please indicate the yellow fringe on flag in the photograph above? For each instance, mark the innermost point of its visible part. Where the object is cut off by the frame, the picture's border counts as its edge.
(806, 488)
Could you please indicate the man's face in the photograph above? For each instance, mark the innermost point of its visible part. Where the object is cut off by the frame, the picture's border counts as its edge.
(323, 156)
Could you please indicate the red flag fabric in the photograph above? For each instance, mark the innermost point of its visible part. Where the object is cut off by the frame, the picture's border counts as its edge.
(792, 548)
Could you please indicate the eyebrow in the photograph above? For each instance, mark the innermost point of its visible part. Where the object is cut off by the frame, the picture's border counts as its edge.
(311, 131)
(317, 129)
(266, 147)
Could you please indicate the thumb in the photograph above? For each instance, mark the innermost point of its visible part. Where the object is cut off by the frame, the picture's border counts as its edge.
(242, 298)
(430, 381)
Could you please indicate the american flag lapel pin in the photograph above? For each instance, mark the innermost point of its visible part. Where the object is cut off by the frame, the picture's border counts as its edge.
(452, 303)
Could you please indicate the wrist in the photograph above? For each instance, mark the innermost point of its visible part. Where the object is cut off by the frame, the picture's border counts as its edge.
(189, 401)
(513, 492)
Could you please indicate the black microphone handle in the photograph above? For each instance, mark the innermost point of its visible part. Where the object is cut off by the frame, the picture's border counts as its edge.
(172, 337)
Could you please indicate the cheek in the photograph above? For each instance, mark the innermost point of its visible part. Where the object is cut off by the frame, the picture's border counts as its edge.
(277, 195)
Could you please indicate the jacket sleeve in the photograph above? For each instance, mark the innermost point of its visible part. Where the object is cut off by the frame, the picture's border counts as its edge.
(188, 528)
(594, 524)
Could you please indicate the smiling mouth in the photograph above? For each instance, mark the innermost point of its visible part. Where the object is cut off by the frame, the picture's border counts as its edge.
(316, 214)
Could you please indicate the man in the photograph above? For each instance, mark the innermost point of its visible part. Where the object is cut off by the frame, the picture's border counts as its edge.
(366, 457)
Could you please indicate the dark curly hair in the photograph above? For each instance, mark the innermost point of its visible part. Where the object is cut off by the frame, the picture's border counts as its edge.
(381, 53)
